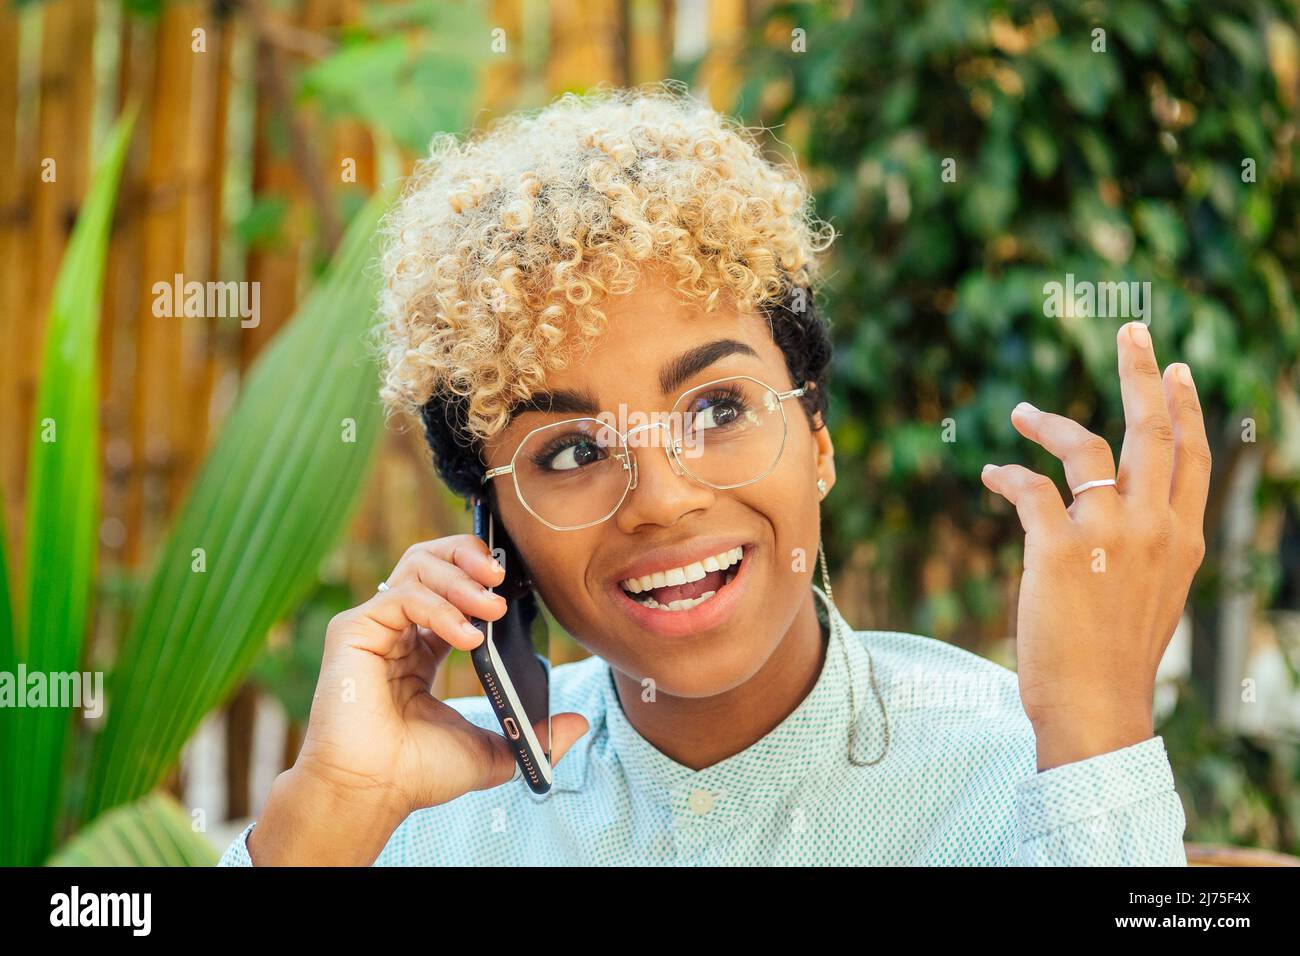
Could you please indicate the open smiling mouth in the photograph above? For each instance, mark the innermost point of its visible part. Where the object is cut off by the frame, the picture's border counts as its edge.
(680, 589)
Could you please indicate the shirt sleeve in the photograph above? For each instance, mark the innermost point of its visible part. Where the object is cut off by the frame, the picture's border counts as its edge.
(1115, 809)
(394, 852)
(237, 853)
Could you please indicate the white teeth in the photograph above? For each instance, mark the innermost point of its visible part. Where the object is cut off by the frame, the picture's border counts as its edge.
(683, 605)
(691, 572)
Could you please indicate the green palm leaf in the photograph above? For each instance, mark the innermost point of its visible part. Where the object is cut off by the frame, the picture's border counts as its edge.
(63, 486)
(8, 665)
(271, 498)
(153, 831)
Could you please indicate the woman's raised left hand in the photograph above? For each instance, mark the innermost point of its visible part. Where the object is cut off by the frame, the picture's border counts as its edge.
(1106, 579)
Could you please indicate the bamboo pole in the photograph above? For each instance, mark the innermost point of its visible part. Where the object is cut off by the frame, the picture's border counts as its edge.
(57, 183)
(585, 46)
(200, 220)
(504, 73)
(211, 359)
(15, 188)
(159, 354)
(720, 74)
(122, 477)
(241, 719)
(351, 138)
(650, 37)
(67, 44)
(274, 268)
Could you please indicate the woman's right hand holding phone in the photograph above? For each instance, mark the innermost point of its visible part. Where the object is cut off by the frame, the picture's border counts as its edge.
(378, 744)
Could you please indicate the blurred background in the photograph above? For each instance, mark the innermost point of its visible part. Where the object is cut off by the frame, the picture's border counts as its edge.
(190, 495)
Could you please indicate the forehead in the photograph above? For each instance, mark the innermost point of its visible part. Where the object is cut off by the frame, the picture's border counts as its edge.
(650, 327)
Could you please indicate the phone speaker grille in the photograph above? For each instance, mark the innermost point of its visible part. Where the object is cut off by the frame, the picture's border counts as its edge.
(495, 693)
(528, 765)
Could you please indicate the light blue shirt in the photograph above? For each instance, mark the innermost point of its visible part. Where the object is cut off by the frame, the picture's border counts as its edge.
(957, 785)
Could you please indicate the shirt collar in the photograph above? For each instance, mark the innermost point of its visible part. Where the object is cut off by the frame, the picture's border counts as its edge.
(816, 731)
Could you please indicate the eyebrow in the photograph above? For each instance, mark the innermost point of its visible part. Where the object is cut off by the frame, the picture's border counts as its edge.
(672, 376)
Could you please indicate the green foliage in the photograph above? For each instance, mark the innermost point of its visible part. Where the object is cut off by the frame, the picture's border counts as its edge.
(288, 671)
(271, 497)
(1123, 165)
(262, 224)
(407, 88)
(8, 665)
(269, 501)
(153, 831)
(1116, 165)
(62, 499)
(1236, 789)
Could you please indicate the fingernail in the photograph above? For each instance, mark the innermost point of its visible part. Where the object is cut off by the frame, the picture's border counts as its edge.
(470, 630)
(1025, 407)
(1139, 334)
(496, 566)
(1184, 374)
(986, 469)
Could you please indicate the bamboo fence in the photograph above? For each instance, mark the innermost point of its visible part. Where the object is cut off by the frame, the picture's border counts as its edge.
(219, 126)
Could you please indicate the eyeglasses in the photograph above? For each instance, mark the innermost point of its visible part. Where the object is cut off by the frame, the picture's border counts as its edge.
(724, 434)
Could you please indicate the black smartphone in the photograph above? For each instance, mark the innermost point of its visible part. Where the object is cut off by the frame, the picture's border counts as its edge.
(513, 662)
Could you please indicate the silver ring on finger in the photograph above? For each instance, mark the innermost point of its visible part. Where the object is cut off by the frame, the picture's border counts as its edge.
(1099, 483)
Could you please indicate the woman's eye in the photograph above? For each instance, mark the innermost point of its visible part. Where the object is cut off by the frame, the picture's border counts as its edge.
(577, 455)
(717, 413)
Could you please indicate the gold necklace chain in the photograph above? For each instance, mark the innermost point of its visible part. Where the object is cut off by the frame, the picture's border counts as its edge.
(833, 614)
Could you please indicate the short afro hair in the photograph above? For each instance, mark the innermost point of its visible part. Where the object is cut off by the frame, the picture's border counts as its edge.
(502, 248)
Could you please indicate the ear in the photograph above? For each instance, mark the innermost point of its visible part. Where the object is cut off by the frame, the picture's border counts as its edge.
(823, 452)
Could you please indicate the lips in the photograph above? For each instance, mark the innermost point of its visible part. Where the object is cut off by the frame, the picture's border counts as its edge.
(678, 596)
(702, 617)
(678, 555)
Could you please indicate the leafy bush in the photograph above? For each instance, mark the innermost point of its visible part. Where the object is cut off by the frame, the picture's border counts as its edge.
(1126, 141)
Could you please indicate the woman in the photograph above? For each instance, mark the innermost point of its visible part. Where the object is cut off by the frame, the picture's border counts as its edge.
(631, 254)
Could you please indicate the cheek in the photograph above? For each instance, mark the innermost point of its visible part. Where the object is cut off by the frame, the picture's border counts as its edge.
(560, 579)
(788, 500)
(554, 582)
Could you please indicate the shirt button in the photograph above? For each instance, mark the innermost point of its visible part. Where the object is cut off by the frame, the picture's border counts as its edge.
(700, 801)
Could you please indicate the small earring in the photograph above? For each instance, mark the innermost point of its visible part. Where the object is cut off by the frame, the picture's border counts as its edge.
(821, 487)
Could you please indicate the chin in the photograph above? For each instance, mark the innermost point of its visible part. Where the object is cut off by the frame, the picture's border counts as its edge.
(721, 665)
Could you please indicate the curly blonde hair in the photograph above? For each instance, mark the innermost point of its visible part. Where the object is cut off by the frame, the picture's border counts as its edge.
(502, 247)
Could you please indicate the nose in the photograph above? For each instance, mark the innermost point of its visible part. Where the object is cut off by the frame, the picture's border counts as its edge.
(661, 490)
(635, 441)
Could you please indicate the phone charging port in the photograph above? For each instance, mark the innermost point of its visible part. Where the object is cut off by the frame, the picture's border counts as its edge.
(512, 729)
